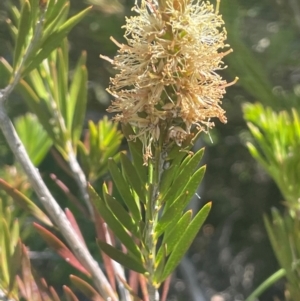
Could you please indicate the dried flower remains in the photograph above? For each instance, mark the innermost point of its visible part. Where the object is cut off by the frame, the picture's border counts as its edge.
(167, 71)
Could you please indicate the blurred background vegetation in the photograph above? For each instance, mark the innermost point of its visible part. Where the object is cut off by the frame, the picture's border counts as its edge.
(232, 254)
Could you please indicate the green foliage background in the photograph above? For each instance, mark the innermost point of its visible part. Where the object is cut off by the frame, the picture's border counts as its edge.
(233, 254)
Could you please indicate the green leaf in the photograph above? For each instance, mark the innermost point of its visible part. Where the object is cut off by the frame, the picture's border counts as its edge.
(62, 80)
(136, 151)
(171, 237)
(54, 40)
(54, 8)
(23, 30)
(187, 169)
(14, 264)
(172, 213)
(5, 72)
(4, 252)
(34, 137)
(122, 215)
(85, 288)
(132, 177)
(78, 98)
(52, 25)
(171, 169)
(37, 106)
(25, 203)
(121, 257)
(14, 235)
(124, 191)
(115, 225)
(185, 241)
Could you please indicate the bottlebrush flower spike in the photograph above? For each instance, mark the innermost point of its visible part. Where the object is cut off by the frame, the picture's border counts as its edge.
(167, 72)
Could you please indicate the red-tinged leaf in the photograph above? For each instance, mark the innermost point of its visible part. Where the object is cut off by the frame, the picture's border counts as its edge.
(165, 289)
(70, 296)
(60, 248)
(86, 289)
(53, 294)
(102, 233)
(61, 161)
(143, 286)
(21, 286)
(43, 288)
(71, 197)
(133, 281)
(74, 224)
(25, 203)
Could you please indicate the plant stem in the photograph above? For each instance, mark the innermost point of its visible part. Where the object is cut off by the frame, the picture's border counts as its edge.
(79, 177)
(53, 209)
(155, 170)
(266, 284)
(46, 198)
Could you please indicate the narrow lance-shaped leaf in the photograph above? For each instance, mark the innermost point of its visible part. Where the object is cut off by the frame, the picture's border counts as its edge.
(62, 82)
(4, 252)
(132, 177)
(60, 17)
(78, 98)
(185, 241)
(170, 239)
(54, 40)
(54, 7)
(23, 30)
(187, 171)
(14, 264)
(121, 257)
(124, 190)
(115, 225)
(171, 169)
(60, 248)
(136, 152)
(14, 235)
(122, 215)
(25, 203)
(70, 296)
(175, 207)
(85, 288)
(5, 71)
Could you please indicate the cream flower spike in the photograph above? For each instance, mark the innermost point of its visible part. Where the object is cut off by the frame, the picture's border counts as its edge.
(168, 70)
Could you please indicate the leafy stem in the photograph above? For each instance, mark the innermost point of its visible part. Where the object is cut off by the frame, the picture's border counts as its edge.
(79, 177)
(54, 210)
(4, 94)
(155, 171)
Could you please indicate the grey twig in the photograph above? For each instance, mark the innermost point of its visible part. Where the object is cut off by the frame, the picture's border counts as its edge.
(119, 272)
(46, 198)
(80, 178)
(53, 209)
